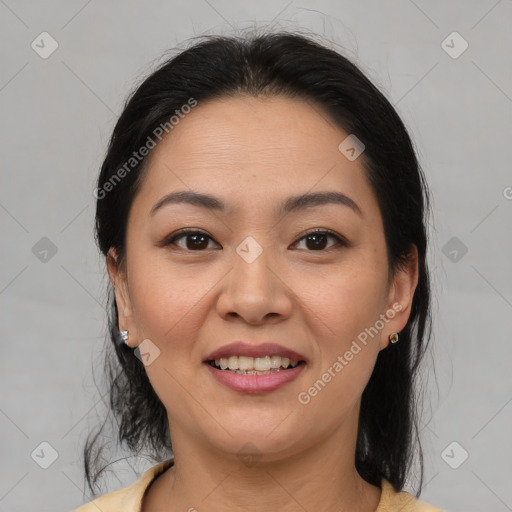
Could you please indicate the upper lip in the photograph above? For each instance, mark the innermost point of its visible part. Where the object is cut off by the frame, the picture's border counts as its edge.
(241, 348)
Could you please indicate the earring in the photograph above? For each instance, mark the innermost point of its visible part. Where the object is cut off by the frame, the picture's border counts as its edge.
(124, 336)
(393, 337)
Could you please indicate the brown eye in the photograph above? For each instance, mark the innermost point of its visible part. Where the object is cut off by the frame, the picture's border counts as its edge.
(194, 240)
(318, 240)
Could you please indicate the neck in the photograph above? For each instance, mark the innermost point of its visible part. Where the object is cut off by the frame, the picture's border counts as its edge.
(321, 478)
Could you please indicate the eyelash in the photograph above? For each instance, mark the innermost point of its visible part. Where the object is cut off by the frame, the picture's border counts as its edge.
(185, 232)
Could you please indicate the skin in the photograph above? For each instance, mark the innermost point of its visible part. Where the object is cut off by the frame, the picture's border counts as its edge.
(253, 153)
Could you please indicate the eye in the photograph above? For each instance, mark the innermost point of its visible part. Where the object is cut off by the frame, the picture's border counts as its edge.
(316, 240)
(194, 240)
(199, 240)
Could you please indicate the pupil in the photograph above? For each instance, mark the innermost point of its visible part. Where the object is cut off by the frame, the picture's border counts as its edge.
(195, 245)
(318, 243)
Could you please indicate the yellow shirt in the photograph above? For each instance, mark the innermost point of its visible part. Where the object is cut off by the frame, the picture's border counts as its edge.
(129, 499)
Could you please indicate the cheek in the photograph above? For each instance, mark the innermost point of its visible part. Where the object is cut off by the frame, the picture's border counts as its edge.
(159, 300)
(345, 305)
(170, 302)
(344, 302)
(168, 310)
(336, 390)
(351, 304)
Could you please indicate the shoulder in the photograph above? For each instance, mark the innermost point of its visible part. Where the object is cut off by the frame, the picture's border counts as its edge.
(392, 501)
(128, 499)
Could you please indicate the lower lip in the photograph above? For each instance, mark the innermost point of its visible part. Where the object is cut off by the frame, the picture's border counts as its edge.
(255, 383)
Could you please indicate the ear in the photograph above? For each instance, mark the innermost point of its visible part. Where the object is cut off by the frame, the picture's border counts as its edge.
(401, 293)
(118, 278)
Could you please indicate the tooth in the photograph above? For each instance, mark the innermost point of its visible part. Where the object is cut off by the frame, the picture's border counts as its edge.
(246, 363)
(251, 365)
(275, 362)
(262, 363)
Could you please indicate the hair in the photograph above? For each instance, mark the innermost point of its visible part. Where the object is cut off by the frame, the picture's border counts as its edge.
(265, 65)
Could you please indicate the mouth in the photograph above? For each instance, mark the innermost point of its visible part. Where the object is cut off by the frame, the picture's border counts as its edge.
(245, 365)
(254, 369)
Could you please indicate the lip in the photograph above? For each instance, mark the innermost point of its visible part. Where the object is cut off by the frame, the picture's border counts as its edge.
(255, 384)
(241, 348)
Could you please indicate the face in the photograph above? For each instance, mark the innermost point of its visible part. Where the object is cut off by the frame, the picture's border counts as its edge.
(310, 276)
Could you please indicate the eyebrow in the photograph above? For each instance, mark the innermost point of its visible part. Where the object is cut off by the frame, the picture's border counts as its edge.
(292, 204)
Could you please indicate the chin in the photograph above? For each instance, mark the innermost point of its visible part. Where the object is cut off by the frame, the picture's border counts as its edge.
(258, 441)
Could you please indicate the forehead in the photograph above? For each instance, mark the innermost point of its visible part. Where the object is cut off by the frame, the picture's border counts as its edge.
(242, 147)
(253, 129)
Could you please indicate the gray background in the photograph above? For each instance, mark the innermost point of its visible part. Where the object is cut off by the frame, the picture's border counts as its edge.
(57, 114)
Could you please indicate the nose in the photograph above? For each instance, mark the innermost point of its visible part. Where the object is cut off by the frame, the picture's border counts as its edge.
(255, 291)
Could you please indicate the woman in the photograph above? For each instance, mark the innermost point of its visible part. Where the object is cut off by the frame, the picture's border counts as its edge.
(263, 218)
